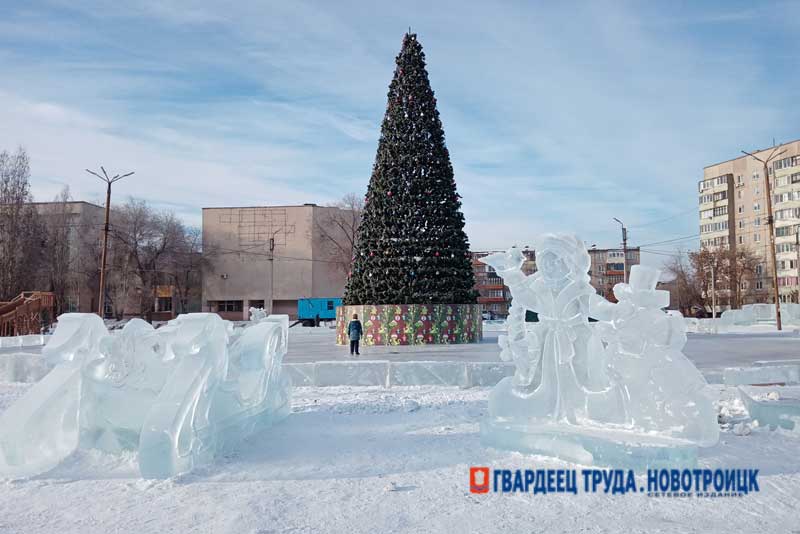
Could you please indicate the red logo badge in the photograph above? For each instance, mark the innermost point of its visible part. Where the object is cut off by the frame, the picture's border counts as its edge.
(479, 480)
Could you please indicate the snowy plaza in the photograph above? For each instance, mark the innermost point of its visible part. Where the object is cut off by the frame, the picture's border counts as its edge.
(371, 458)
(408, 267)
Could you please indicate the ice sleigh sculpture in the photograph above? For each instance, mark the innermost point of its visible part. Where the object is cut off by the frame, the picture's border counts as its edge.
(178, 395)
(616, 392)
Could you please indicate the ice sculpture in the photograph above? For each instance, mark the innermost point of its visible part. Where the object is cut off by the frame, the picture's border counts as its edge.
(773, 407)
(618, 391)
(178, 395)
(752, 314)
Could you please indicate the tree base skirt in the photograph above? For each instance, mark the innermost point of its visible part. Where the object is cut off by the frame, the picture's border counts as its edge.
(412, 324)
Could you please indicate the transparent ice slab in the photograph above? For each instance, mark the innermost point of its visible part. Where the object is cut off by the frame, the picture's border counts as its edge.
(767, 374)
(773, 406)
(178, 395)
(605, 447)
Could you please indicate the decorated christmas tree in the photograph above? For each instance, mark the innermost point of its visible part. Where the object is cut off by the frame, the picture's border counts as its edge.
(411, 243)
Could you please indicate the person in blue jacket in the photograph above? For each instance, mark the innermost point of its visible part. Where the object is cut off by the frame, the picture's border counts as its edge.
(354, 332)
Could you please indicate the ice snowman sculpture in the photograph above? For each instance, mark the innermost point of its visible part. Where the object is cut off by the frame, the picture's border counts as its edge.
(617, 391)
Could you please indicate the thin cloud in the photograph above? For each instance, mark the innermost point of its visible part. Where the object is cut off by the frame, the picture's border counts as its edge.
(556, 116)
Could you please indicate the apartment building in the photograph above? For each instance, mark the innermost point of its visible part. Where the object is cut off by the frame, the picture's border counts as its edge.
(270, 257)
(733, 214)
(609, 266)
(493, 296)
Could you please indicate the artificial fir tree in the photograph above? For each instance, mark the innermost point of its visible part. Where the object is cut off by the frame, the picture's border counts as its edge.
(411, 246)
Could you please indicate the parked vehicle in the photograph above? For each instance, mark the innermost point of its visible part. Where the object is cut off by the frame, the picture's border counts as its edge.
(312, 311)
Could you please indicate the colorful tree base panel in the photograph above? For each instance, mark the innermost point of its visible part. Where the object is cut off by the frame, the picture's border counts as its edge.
(412, 324)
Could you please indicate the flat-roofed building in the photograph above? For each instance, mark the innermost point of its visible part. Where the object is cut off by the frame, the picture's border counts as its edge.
(82, 225)
(270, 257)
(733, 214)
(608, 268)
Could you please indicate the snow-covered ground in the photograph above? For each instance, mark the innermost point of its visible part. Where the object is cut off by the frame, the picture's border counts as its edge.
(374, 460)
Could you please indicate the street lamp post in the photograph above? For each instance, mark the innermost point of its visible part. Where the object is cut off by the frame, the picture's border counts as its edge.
(624, 251)
(105, 178)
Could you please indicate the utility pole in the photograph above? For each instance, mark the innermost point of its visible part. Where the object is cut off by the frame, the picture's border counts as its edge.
(271, 273)
(272, 269)
(624, 251)
(713, 295)
(797, 265)
(771, 226)
(102, 297)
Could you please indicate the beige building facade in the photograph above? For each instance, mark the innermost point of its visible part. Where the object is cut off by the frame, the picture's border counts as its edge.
(83, 222)
(609, 267)
(734, 213)
(270, 257)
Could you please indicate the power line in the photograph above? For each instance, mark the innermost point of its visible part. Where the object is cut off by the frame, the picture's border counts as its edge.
(659, 221)
(675, 240)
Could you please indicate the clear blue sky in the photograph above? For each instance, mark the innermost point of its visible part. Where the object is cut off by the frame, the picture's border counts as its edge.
(557, 117)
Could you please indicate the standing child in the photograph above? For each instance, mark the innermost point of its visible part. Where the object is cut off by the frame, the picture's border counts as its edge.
(354, 331)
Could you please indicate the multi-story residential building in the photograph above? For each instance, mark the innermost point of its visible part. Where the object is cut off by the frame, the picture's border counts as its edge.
(493, 296)
(733, 214)
(270, 257)
(609, 266)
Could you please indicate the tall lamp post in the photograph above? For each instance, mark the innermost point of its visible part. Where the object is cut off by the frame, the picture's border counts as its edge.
(771, 225)
(108, 180)
(624, 251)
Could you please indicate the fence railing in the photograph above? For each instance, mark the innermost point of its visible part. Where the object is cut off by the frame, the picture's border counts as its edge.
(29, 313)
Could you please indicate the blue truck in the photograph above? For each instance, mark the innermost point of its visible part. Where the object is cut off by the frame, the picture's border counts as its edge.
(324, 309)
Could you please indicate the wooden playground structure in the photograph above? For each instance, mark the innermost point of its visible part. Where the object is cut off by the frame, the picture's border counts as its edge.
(29, 313)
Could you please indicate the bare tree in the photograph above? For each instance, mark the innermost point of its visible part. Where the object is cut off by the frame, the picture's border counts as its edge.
(58, 271)
(338, 229)
(144, 238)
(741, 271)
(152, 249)
(184, 267)
(21, 231)
(687, 294)
(732, 270)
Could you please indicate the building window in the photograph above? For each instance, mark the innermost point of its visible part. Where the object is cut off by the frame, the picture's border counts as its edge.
(741, 209)
(164, 304)
(757, 238)
(225, 305)
(259, 304)
(756, 207)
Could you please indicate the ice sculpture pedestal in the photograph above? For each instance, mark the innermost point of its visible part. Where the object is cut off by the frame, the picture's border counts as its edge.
(780, 409)
(615, 392)
(590, 446)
